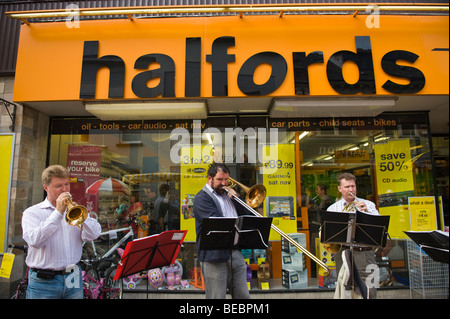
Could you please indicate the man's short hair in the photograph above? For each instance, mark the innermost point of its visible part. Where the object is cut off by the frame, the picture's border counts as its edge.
(54, 171)
(346, 176)
(215, 167)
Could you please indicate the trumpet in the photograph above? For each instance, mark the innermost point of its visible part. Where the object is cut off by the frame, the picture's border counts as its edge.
(76, 214)
(255, 196)
(351, 207)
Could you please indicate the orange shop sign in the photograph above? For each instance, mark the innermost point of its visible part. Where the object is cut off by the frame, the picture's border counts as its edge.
(232, 57)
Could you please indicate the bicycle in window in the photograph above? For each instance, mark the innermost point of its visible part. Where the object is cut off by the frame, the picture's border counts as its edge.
(99, 272)
(96, 286)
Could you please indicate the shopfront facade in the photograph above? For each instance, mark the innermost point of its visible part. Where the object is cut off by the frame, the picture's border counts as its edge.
(289, 101)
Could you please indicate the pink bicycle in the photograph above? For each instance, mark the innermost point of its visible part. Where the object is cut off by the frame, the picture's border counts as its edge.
(96, 287)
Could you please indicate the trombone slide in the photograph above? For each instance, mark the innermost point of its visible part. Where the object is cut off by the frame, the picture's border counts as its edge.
(284, 235)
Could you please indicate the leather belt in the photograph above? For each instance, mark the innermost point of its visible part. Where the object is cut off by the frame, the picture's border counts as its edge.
(54, 272)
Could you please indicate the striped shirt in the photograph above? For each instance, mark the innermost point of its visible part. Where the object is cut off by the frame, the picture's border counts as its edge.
(226, 204)
(53, 243)
(340, 204)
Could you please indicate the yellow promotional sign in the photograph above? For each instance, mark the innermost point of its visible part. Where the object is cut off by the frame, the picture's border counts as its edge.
(423, 213)
(7, 263)
(6, 162)
(193, 168)
(395, 183)
(279, 180)
(257, 55)
(394, 167)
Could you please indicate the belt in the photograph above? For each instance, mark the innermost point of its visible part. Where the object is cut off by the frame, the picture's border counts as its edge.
(358, 248)
(55, 272)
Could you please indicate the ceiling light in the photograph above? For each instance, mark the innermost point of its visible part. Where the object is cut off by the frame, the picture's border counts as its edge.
(148, 110)
(303, 135)
(337, 107)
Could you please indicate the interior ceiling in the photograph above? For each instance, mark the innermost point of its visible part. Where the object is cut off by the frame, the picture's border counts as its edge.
(437, 105)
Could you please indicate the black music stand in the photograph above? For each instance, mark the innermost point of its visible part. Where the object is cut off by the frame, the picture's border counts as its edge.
(434, 243)
(150, 252)
(358, 228)
(244, 232)
(336, 227)
(371, 230)
(354, 229)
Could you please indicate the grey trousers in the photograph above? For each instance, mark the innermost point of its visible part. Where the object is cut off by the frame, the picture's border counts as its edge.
(362, 260)
(232, 274)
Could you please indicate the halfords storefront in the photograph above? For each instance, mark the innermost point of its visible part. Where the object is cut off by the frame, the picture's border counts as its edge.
(140, 107)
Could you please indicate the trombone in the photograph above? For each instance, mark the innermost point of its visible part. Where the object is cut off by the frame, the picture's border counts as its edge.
(255, 196)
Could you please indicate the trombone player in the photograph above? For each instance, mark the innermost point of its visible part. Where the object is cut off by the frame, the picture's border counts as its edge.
(362, 255)
(55, 247)
(220, 268)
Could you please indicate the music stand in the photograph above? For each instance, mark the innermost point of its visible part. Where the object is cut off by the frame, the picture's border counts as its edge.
(244, 232)
(354, 229)
(371, 230)
(150, 252)
(336, 227)
(434, 243)
(360, 229)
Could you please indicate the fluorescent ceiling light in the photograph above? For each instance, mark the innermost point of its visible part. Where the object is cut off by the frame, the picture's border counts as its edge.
(338, 107)
(148, 110)
(303, 135)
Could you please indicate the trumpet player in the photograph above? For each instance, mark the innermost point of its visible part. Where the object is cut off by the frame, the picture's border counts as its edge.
(349, 202)
(363, 256)
(54, 246)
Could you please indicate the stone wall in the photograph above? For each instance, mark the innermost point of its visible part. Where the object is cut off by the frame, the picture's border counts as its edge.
(30, 156)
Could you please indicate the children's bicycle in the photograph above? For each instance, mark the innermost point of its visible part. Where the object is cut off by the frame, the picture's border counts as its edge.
(95, 286)
(95, 275)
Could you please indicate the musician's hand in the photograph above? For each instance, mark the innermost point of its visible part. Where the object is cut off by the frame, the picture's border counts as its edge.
(362, 207)
(61, 202)
(231, 191)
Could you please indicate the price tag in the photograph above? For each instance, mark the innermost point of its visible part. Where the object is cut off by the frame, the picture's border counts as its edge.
(7, 263)
(265, 286)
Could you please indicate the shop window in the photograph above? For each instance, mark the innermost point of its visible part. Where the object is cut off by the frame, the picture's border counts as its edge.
(163, 172)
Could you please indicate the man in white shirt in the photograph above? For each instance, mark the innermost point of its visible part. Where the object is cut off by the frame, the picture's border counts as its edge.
(55, 247)
(349, 202)
(363, 256)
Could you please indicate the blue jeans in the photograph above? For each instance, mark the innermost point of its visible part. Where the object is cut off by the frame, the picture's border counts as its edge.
(69, 286)
(232, 274)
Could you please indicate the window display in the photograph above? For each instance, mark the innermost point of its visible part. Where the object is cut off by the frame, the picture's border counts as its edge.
(145, 175)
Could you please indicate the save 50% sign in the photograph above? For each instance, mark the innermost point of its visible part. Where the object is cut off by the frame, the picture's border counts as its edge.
(393, 162)
(394, 168)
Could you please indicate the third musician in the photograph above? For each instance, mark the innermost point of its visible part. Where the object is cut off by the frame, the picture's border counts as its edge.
(363, 255)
